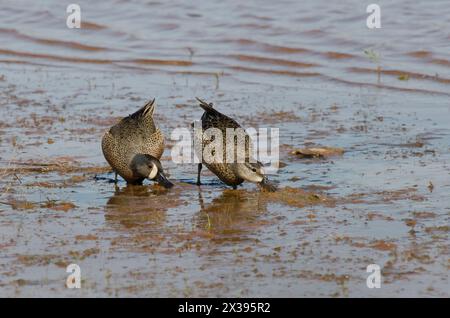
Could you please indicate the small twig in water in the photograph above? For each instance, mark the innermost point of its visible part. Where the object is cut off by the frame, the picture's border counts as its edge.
(18, 179)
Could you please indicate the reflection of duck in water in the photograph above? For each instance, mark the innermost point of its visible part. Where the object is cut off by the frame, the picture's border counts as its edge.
(231, 212)
(134, 146)
(137, 206)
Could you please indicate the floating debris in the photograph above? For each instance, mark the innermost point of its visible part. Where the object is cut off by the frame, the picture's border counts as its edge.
(430, 186)
(318, 152)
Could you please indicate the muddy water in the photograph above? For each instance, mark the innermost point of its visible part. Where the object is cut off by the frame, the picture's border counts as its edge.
(301, 68)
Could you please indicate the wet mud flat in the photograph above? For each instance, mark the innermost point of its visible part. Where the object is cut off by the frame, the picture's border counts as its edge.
(383, 201)
(376, 100)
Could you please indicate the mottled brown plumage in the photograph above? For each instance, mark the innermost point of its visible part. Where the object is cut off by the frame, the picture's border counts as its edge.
(132, 141)
(234, 173)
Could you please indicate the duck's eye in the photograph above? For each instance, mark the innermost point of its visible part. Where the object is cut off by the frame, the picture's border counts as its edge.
(253, 169)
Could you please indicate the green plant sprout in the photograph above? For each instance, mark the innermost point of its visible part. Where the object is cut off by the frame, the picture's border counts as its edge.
(375, 58)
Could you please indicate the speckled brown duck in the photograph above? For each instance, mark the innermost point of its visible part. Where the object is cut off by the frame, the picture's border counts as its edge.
(232, 174)
(134, 146)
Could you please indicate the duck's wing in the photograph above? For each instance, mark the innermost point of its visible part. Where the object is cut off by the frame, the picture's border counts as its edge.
(215, 119)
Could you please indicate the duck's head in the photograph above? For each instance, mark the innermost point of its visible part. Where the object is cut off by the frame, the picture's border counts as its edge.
(149, 167)
(252, 172)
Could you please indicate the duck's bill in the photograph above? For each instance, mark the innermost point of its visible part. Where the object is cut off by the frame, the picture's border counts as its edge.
(162, 180)
(268, 186)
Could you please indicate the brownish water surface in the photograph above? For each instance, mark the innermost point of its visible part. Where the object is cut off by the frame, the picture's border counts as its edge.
(298, 66)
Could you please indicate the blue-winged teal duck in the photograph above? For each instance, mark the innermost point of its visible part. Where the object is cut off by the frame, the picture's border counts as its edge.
(134, 146)
(235, 173)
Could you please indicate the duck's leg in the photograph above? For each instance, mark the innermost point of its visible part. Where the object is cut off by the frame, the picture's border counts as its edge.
(198, 174)
(234, 187)
(115, 177)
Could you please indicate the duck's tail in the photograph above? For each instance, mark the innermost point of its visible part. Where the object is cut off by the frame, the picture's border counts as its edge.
(146, 110)
(206, 107)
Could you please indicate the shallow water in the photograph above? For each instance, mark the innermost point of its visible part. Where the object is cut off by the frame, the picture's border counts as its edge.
(301, 68)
